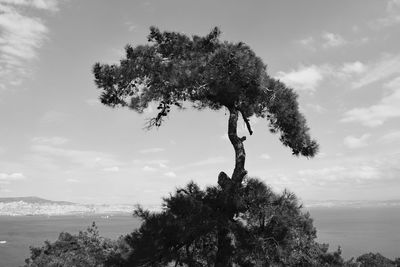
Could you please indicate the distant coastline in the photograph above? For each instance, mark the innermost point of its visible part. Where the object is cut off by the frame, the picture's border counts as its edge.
(352, 204)
(35, 206)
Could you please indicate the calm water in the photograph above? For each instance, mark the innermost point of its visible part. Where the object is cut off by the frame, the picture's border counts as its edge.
(357, 231)
(22, 232)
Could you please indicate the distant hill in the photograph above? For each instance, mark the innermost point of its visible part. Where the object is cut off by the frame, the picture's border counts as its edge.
(35, 200)
(352, 203)
(22, 206)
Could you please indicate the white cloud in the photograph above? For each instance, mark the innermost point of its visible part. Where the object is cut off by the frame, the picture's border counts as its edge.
(309, 78)
(393, 84)
(131, 26)
(332, 40)
(53, 141)
(4, 190)
(50, 5)
(53, 116)
(73, 181)
(304, 78)
(93, 102)
(386, 67)
(325, 173)
(321, 155)
(308, 42)
(375, 115)
(393, 6)
(151, 150)
(111, 169)
(170, 174)
(391, 137)
(316, 108)
(390, 20)
(265, 156)
(204, 162)
(162, 163)
(353, 68)
(360, 173)
(225, 137)
(83, 158)
(352, 173)
(6, 178)
(208, 161)
(325, 40)
(356, 142)
(21, 37)
(392, 17)
(149, 169)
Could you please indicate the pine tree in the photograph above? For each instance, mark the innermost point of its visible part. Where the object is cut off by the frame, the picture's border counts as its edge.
(207, 73)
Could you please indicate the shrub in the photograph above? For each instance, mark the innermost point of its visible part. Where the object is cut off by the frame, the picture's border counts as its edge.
(85, 249)
(270, 230)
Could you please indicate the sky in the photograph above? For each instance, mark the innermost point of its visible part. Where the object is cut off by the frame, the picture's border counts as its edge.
(58, 142)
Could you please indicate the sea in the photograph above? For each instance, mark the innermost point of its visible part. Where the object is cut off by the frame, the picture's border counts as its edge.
(359, 230)
(18, 233)
(355, 230)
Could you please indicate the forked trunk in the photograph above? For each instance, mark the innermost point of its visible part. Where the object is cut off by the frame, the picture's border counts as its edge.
(230, 197)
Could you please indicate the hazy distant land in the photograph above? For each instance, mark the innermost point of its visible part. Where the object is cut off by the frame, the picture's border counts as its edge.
(23, 206)
(352, 204)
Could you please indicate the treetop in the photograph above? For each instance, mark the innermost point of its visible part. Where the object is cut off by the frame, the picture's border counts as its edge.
(174, 68)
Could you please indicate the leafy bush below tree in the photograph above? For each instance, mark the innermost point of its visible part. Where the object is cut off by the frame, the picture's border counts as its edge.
(85, 249)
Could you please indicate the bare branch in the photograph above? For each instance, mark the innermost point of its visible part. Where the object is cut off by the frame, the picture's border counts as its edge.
(247, 121)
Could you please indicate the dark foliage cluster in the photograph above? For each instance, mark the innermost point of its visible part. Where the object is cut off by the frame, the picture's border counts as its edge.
(87, 248)
(376, 259)
(174, 68)
(272, 230)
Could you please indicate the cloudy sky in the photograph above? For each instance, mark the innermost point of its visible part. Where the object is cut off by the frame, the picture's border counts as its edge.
(58, 142)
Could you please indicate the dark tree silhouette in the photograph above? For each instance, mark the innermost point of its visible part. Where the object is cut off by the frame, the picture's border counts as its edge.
(272, 231)
(174, 68)
(375, 259)
(85, 249)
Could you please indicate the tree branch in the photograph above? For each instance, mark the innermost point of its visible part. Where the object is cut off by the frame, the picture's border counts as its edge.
(164, 108)
(247, 121)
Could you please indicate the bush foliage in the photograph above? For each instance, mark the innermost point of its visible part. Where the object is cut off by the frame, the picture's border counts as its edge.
(271, 230)
(87, 248)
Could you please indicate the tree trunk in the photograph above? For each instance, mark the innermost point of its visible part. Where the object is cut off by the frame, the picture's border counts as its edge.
(230, 198)
(225, 248)
(240, 155)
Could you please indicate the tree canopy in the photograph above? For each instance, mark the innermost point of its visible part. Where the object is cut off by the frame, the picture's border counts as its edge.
(209, 73)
